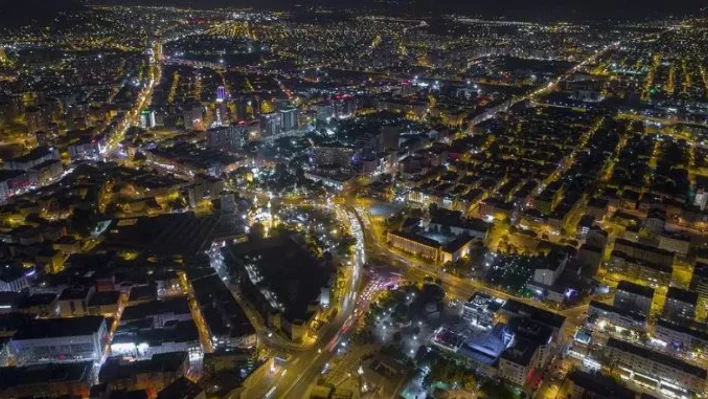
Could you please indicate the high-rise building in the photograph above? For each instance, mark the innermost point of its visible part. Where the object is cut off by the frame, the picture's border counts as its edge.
(147, 119)
(271, 124)
(288, 118)
(221, 94)
(227, 138)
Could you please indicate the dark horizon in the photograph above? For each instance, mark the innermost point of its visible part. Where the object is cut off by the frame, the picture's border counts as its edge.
(509, 9)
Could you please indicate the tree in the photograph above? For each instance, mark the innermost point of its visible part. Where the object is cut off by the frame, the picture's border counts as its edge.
(416, 212)
(257, 232)
(397, 337)
(432, 209)
(83, 221)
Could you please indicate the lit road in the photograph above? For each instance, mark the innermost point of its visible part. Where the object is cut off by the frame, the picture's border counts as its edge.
(317, 360)
(144, 99)
(307, 362)
(548, 87)
(295, 384)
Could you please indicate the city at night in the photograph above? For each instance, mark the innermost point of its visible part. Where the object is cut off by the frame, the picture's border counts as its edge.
(370, 199)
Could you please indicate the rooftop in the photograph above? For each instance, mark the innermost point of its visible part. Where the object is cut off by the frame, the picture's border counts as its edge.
(600, 385)
(181, 388)
(13, 377)
(57, 328)
(116, 368)
(682, 295)
(657, 357)
(635, 289)
(177, 305)
(553, 320)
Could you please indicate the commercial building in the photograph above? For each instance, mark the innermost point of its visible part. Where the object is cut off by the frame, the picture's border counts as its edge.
(46, 172)
(88, 147)
(47, 380)
(336, 181)
(159, 312)
(60, 340)
(480, 310)
(14, 182)
(34, 158)
(427, 248)
(288, 118)
(271, 124)
(229, 138)
(655, 370)
(151, 375)
(140, 339)
(634, 297)
(616, 316)
(513, 308)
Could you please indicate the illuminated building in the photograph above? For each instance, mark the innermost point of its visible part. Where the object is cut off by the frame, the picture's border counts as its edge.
(655, 370)
(616, 316)
(288, 119)
(227, 138)
(221, 94)
(152, 375)
(34, 158)
(271, 124)
(680, 305)
(147, 119)
(48, 380)
(585, 385)
(634, 297)
(13, 182)
(60, 340)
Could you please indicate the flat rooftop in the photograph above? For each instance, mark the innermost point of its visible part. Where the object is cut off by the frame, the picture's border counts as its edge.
(58, 328)
(12, 377)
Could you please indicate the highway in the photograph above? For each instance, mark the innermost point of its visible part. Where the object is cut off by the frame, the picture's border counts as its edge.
(309, 363)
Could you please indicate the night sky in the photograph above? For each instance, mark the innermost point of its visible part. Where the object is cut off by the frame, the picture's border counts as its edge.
(512, 9)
